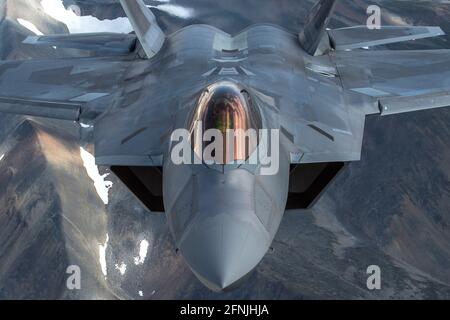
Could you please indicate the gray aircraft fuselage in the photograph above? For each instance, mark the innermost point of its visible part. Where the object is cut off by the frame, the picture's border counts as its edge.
(224, 217)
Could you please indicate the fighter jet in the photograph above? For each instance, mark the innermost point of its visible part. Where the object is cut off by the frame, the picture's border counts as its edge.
(315, 88)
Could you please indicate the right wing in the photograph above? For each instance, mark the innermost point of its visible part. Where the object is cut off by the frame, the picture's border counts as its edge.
(399, 81)
(61, 88)
(360, 36)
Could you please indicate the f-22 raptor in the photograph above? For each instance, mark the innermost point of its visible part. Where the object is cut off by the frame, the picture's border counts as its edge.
(315, 88)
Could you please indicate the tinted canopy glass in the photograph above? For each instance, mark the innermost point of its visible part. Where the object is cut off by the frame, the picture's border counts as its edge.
(227, 108)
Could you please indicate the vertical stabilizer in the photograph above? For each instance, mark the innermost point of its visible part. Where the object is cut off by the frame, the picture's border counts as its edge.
(144, 23)
(315, 25)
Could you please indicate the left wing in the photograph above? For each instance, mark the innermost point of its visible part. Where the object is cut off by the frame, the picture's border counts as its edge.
(60, 88)
(400, 81)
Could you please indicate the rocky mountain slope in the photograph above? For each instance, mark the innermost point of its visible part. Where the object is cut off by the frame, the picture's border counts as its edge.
(50, 217)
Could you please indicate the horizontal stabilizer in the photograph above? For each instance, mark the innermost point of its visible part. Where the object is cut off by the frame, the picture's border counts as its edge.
(398, 81)
(41, 108)
(104, 43)
(361, 36)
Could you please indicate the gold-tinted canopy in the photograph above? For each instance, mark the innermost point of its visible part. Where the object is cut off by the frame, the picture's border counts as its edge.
(226, 107)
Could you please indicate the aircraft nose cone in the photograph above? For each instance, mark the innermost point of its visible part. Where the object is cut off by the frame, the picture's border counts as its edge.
(222, 249)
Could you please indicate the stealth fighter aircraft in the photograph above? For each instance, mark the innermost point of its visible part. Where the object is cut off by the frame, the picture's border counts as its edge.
(315, 88)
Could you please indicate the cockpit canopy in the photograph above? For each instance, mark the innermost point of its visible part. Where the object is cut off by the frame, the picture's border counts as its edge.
(227, 109)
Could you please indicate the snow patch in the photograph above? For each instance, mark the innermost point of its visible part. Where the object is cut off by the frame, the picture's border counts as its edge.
(30, 26)
(101, 185)
(141, 294)
(102, 255)
(82, 24)
(122, 268)
(84, 125)
(143, 248)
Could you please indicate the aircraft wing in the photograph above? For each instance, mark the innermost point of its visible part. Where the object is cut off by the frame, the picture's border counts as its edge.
(360, 36)
(60, 88)
(400, 81)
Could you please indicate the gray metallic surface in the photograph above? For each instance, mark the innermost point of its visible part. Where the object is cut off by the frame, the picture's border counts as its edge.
(360, 36)
(41, 108)
(315, 25)
(103, 43)
(145, 26)
(224, 221)
(407, 104)
(395, 76)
